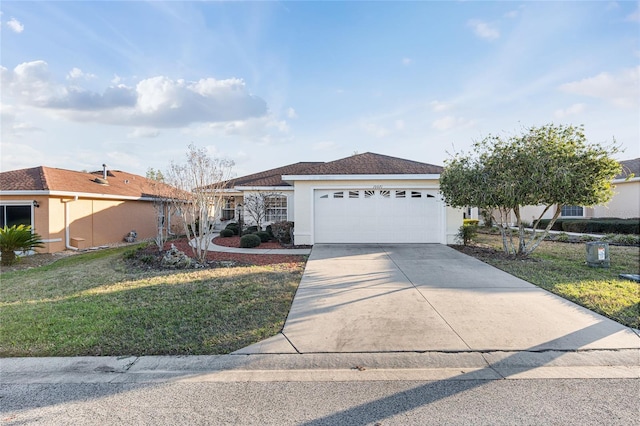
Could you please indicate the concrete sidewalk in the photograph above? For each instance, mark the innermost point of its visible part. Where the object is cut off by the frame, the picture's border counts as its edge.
(430, 297)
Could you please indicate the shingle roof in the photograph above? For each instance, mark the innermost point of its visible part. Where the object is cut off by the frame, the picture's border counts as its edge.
(629, 167)
(359, 164)
(372, 164)
(52, 179)
(271, 177)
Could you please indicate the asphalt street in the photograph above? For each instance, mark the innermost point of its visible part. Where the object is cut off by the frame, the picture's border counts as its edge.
(451, 402)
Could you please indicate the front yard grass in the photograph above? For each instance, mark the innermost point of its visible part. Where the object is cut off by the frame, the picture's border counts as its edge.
(94, 304)
(561, 269)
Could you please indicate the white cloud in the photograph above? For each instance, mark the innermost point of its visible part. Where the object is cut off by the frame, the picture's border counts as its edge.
(572, 110)
(15, 25)
(374, 129)
(143, 132)
(511, 14)
(407, 61)
(484, 29)
(291, 113)
(634, 16)
(153, 102)
(399, 124)
(323, 146)
(450, 121)
(622, 89)
(264, 130)
(438, 106)
(77, 74)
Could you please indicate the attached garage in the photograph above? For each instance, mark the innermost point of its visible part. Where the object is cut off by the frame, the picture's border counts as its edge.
(396, 215)
(364, 198)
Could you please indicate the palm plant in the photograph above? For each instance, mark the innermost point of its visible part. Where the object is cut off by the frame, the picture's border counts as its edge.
(17, 238)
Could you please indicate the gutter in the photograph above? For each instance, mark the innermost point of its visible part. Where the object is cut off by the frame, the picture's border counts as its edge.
(67, 242)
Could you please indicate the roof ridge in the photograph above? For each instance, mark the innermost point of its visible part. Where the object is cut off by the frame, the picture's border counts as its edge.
(43, 177)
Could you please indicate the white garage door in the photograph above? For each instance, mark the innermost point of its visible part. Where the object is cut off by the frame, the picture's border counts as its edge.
(377, 216)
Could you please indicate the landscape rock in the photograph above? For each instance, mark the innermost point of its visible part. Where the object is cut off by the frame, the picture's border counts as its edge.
(175, 259)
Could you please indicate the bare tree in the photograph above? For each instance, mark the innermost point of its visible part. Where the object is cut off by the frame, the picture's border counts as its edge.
(198, 186)
(257, 206)
(161, 206)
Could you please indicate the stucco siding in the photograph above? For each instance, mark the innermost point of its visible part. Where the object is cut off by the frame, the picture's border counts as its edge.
(624, 204)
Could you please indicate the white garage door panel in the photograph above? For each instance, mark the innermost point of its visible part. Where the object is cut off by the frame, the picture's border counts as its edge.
(377, 216)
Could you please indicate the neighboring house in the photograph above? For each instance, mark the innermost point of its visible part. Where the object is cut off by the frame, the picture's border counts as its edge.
(76, 210)
(365, 198)
(624, 204)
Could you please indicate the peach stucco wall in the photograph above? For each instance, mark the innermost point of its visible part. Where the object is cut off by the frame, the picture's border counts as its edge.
(92, 222)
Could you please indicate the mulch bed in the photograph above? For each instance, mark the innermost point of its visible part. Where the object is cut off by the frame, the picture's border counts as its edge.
(239, 258)
(235, 242)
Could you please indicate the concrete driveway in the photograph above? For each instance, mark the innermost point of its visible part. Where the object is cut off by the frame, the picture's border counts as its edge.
(429, 297)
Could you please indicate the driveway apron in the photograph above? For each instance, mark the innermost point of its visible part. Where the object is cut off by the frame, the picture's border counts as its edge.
(430, 297)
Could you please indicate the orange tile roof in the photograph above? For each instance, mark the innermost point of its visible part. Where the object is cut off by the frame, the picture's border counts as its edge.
(52, 179)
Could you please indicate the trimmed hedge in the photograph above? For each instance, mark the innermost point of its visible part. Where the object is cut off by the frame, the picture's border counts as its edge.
(595, 226)
(249, 241)
(470, 222)
(264, 236)
(225, 233)
(234, 228)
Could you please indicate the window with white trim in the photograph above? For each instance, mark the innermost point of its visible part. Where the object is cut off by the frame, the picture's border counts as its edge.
(276, 208)
(229, 208)
(15, 214)
(572, 211)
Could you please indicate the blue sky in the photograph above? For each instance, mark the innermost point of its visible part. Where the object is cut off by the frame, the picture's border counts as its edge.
(265, 84)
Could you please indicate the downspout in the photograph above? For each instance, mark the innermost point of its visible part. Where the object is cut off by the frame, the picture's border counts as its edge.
(67, 242)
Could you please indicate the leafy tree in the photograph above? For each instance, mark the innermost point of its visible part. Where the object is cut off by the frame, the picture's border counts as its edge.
(17, 238)
(257, 206)
(548, 165)
(197, 195)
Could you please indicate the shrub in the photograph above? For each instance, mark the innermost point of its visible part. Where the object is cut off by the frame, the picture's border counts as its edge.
(264, 236)
(467, 222)
(603, 225)
(487, 218)
(587, 238)
(269, 230)
(249, 241)
(282, 231)
(466, 233)
(250, 230)
(225, 233)
(562, 237)
(622, 239)
(234, 228)
(17, 238)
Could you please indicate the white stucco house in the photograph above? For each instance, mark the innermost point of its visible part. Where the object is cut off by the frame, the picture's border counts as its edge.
(625, 203)
(364, 198)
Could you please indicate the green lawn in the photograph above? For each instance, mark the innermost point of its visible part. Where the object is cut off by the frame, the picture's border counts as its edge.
(561, 268)
(93, 304)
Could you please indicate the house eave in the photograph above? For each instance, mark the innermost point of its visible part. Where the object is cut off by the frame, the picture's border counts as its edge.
(292, 178)
(264, 188)
(74, 194)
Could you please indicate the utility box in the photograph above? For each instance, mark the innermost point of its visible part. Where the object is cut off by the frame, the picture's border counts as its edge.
(598, 254)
